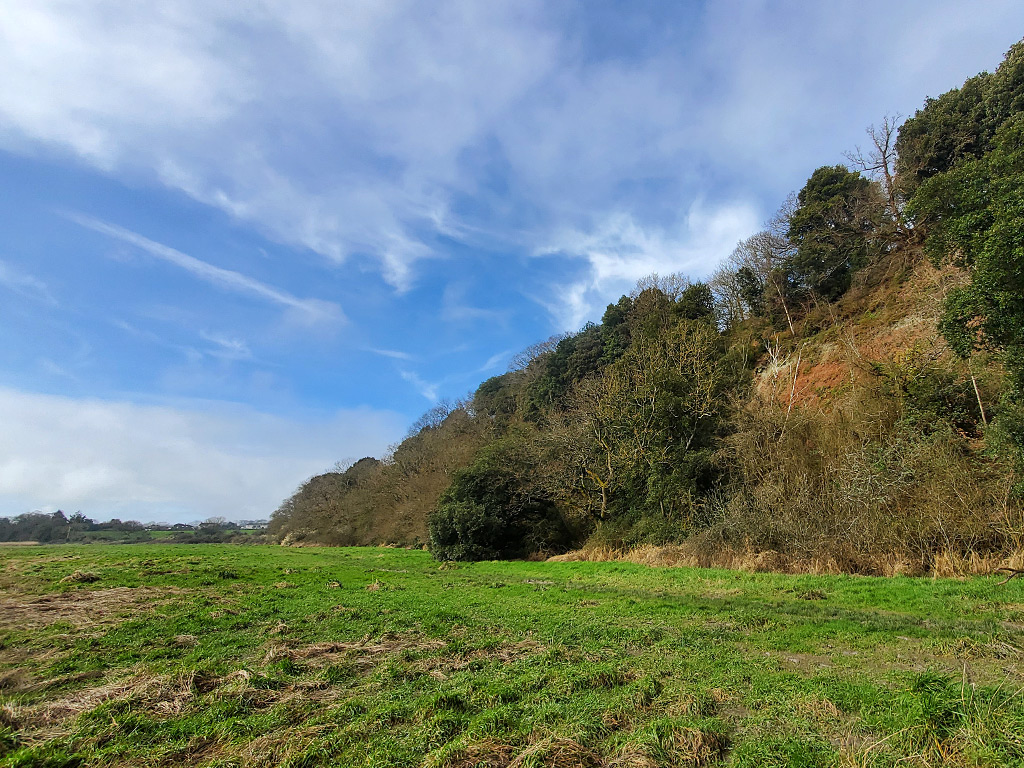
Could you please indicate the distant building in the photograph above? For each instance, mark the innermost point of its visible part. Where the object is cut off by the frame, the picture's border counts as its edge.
(253, 525)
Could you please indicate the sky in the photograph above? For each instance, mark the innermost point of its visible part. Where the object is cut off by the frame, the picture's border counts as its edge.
(241, 242)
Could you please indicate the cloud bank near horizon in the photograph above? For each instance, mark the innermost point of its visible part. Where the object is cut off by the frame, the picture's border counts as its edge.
(161, 462)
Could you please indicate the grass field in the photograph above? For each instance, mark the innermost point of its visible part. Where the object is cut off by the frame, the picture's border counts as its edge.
(211, 655)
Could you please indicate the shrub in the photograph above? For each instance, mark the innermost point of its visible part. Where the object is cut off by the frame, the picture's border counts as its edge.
(492, 510)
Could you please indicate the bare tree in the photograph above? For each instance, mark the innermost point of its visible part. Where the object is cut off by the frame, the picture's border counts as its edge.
(764, 255)
(672, 285)
(729, 300)
(879, 164)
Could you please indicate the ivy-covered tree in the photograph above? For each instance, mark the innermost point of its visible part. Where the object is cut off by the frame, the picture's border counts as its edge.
(831, 229)
(636, 443)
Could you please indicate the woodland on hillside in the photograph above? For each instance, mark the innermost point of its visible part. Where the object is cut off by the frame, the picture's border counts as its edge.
(845, 393)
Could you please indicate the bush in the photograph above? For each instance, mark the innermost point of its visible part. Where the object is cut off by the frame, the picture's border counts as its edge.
(492, 511)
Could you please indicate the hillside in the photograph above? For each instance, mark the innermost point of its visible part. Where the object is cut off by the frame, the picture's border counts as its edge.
(843, 394)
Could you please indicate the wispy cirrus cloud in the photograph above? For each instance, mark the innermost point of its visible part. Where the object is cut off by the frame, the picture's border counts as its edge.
(426, 388)
(14, 279)
(495, 360)
(394, 354)
(227, 347)
(311, 310)
(513, 118)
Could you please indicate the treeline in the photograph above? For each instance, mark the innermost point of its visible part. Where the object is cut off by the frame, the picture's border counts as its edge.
(846, 388)
(58, 527)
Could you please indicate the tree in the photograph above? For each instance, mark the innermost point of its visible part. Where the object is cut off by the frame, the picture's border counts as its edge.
(946, 130)
(637, 439)
(523, 359)
(831, 229)
(879, 164)
(976, 215)
(959, 125)
(977, 210)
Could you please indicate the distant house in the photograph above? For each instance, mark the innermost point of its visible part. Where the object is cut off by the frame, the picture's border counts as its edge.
(253, 525)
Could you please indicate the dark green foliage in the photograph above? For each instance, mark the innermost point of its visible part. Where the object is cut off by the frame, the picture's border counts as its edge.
(973, 213)
(1007, 435)
(696, 303)
(638, 441)
(615, 329)
(947, 130)
(959, 125)
(983, 227)
(934, 398)
(832, 228)
(490, 511)
(575, 358)
(751, 289)
(496, 397)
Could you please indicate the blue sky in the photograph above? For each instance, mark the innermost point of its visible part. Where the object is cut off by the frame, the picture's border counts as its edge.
(242, 241)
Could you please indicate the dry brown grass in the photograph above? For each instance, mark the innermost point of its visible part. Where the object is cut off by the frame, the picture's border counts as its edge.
(81, 608)
(632, 757)
(486, 753)
(366, 655)
(160, 695)
(557, 752)
(365, 650)
(697, 553)
(14, 680)
(683, 747)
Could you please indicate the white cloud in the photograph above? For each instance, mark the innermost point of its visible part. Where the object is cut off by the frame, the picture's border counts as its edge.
(425, 388)
(25, 284)
(355, 128)
(311, 310)
(494, 360)
(394, 354)
(160, 462)
(338, 127)
(619, 251)
(227, 347)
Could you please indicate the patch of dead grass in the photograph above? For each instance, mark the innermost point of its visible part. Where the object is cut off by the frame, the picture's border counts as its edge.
(557, 753)
(698, 554)
(81, 608)
(367, 654)
(486, 753)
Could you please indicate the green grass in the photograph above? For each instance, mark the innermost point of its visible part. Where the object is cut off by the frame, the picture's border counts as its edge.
(214, 655)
